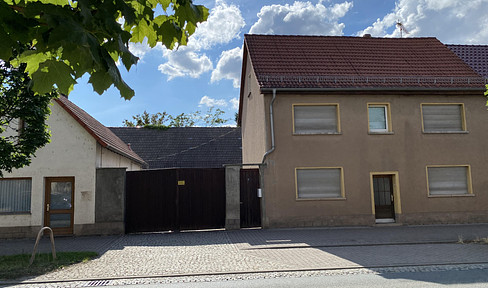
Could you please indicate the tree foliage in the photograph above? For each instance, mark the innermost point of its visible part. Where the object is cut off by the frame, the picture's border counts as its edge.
(163, 120)
(23, 116)
(69, 38)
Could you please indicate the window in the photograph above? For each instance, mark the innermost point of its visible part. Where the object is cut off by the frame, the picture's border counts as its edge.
(316, 119)
(379, 118)
(15, 195)
(313, 183)
(449, 180)
(443, 118)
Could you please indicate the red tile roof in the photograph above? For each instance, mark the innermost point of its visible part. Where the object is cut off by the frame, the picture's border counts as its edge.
(102, 134)
(357, 62)
(476, 56)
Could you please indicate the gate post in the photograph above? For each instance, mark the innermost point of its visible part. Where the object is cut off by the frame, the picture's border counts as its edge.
(233, 197)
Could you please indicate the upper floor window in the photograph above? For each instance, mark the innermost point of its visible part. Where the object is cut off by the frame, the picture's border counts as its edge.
(316, 119)
(15, 195)
(319, 183)
(443, 118)
(379, 118)
(449, 180)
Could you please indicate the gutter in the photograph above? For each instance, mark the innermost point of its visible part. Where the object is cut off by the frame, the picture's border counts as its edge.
(373, 89)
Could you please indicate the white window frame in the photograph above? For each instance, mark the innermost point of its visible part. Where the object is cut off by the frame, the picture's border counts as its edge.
(324, 132)
(341, 195)
(469, 189)
(386, 108)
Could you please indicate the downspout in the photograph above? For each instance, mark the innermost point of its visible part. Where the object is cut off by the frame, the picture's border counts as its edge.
(271, 119)
(263, 164)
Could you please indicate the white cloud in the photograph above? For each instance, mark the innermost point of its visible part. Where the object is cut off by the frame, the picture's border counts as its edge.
(302, 18)
(185, 62)
(229, 67)
(210, 102)
(450, 21)
(222, 26)
(235, 103)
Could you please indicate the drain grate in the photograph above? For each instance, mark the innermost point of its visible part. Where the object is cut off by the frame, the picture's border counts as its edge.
(98, 283)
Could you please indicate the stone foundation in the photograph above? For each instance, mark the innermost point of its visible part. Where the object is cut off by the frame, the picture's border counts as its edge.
(19, 232)
(428, 218)
(328, 221)
(105, 228)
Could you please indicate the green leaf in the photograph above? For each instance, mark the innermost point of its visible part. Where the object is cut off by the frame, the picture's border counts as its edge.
(169, 34)
(100, 81)
(33, 59)
(54, 2)
(50, 73)
(79, 58)
(6, 45)
(140, 31)
(164, 4)
(125, 91)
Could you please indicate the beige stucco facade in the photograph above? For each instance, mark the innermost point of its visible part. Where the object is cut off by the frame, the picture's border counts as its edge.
(404, 153)
(73, 152)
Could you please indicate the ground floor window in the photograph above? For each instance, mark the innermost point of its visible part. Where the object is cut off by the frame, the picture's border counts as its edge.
(316, 183)
(449, 180)
(15, 195)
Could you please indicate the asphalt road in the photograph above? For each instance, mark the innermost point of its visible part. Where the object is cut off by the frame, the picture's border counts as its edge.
(453, 278)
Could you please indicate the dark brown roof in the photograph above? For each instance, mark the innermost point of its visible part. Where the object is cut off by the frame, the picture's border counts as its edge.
(356, 62)
(184, 147)
(102, 134)
(476, 56)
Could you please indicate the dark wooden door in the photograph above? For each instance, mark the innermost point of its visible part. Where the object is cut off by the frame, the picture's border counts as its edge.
(250, 202)
(383, 196)
(151, 197)
(201, 198)
(175, 199)
(59, 204)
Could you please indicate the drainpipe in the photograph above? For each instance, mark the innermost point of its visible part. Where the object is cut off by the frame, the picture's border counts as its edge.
(261, 167)
(271, 119)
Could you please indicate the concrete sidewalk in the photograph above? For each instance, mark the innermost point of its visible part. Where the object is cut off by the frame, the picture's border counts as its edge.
(243, 251)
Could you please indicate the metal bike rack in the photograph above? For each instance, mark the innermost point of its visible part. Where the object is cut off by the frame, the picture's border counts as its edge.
(39, 235)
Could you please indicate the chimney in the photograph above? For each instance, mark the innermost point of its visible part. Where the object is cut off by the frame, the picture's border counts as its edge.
(367, 36)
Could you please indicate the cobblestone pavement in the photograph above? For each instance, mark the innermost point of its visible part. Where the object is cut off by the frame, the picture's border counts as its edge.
(191, 254)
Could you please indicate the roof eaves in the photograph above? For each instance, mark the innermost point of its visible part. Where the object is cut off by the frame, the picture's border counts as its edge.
(270, 89)
(117, 151)
(95, 136)
(243, 78)
(83, 124)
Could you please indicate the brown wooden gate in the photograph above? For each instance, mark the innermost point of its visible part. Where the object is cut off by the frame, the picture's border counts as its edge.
(175, 199)
(250, 203)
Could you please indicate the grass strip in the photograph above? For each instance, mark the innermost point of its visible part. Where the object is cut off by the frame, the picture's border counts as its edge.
(17, 266)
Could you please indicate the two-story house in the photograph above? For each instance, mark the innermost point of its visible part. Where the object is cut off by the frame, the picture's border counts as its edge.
(362, 130)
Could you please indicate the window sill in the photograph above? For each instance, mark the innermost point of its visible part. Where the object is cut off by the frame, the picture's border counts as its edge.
(380, 133)
(316, 134)
(16, 213)
(321, 199)
(445, 132)
(451, 196)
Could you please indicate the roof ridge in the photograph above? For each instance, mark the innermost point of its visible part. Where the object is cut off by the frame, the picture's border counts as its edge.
(195, 147)
(336, 36)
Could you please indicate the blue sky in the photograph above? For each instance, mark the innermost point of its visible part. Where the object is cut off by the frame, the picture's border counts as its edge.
(207, 72)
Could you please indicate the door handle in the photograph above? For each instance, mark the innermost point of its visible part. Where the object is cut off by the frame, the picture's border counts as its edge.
(47, 207)
(391, 197)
